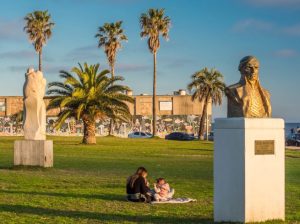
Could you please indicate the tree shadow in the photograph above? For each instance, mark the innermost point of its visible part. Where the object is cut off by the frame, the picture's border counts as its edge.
(191, 149)
(108, 197)
(6, 167)
(200, 150)
(27, 168)
(292, 156)
(22, 209)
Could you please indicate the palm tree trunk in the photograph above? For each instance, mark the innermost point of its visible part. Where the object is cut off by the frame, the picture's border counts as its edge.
(111, 124)
(89, 131)
(112, 71)
(111, 127)
(202, 120)
(40, 60)
(154, 96)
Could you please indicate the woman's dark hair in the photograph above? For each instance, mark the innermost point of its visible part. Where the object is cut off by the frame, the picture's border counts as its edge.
(139, 172)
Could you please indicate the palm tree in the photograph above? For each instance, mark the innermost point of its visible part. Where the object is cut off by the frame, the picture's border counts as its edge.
(39, 29)
(110, 36)
(207, 86)
(153, 24)
(89, 95)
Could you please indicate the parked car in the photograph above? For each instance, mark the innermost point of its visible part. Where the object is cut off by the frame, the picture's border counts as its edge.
(139, 134)
(293, 139)
(179, 136)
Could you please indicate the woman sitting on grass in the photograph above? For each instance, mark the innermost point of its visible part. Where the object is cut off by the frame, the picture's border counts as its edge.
(137, 186)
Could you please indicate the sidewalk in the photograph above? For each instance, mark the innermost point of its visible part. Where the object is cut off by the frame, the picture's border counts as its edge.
(297, 148)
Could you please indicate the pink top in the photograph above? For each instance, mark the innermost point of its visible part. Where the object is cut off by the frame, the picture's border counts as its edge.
(163, 189)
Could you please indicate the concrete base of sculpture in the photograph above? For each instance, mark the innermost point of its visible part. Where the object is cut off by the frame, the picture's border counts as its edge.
(33, 153)
(249, 173)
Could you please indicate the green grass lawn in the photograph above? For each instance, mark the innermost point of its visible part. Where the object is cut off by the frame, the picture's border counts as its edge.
(87, 183)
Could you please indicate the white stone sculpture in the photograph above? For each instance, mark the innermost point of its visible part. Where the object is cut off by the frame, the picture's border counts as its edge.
(34, 106)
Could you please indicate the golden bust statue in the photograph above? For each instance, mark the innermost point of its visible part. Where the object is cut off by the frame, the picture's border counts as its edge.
(247, 98)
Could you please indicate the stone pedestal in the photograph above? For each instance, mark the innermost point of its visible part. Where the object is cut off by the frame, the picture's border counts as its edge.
(249, 173)
(33, 153)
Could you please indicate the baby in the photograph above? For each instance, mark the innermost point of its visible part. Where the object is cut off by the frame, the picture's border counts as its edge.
(162, 190)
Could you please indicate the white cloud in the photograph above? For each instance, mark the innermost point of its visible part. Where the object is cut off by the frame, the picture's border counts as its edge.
(286, 53)
(292, 30)
(54, 69)
(19, 68)
(132, 67)
(178, 62)
(48, 68)
(11, 29)
(252, 24)
(274, 3)
(18, 54)
(84, 53)
(23, 54)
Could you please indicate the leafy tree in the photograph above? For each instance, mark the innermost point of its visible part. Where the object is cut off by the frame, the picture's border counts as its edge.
(89, 95)
(39, 29)
(154, 24)
(207, 86)
(110, 37)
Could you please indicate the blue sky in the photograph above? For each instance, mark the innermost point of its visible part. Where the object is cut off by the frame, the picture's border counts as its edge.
(204, 33)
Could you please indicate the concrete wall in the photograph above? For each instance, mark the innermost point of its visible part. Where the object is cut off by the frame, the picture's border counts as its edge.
(14, 104)
(181, 105)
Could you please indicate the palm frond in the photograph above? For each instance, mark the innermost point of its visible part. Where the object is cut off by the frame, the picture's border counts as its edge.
(110, 36)
(153, 25)
(38, 26)
(207, 84)
(91, 95)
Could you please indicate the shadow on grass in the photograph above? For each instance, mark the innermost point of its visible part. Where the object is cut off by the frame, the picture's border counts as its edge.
(292, 156)
(27, 168)
(109, 197)
(191, 149)
(6, 167)
(22, 209)
(70, 143)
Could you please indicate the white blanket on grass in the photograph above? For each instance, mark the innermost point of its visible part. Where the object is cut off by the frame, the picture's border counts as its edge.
(174, 201)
